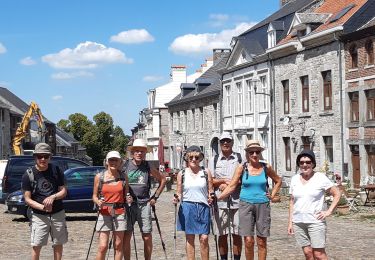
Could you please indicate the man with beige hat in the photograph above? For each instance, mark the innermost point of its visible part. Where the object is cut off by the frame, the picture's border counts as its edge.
(139, 174)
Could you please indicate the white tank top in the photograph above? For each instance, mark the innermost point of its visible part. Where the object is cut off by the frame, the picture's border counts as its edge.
(194, 187)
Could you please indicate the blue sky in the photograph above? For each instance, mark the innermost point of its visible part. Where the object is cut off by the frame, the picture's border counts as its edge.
(92, 56)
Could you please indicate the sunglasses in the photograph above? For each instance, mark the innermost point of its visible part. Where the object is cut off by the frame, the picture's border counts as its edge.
(194, 157)
(113, 159)
(42, 156)
(252, 152)
(305, 162)
(227, 140)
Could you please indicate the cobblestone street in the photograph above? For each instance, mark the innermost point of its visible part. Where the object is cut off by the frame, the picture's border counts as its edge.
(349, 237)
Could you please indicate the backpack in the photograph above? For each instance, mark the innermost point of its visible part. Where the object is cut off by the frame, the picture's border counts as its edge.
(264, 165)
(32, 180)
(183, 178)
(121, 178)
(216, 158)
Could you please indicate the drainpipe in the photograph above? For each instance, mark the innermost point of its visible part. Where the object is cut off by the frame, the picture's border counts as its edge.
(341, 107)
(221, 105)
(273, 113)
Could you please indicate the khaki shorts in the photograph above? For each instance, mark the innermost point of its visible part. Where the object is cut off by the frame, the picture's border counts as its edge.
(142, 214)
(313, 234)
(107, 223)
(222, 222)
(43, 226)
(255, 215)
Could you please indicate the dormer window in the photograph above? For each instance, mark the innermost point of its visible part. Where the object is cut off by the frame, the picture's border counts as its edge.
(271, 39)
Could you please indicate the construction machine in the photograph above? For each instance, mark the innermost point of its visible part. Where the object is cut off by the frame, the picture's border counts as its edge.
(33, 113)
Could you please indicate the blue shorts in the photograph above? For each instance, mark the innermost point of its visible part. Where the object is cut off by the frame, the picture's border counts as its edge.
(194, 218)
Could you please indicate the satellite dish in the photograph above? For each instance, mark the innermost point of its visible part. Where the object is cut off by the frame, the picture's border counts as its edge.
(286, 120)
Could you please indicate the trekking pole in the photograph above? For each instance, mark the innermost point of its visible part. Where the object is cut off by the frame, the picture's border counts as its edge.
(229, 227)
(113, 233)
(92, 237)
(212, 226)
(131, 222)
(158, 226)
(175, 226)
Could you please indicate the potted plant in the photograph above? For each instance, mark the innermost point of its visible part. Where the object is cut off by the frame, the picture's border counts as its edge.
(342, 206)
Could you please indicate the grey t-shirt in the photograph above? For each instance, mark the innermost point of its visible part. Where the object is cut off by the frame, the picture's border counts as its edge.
(225, 168)
(139, 180)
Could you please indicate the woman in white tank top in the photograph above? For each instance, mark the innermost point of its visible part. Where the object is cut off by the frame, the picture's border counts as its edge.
(194, 186)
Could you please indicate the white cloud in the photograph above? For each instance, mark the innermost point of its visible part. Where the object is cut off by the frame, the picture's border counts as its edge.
(133, 37)
(205, 42)
(87, 55)
(57, 97)
(217, 20)
(66, 75)
(2, 48)
(28, 61)
(152, 78)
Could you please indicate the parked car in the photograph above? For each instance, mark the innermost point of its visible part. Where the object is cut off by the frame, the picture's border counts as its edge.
(79, 183)
(18, 164)
(3, 164)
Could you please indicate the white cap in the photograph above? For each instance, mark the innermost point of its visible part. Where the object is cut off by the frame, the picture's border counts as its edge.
(226, 135)
(113, 154)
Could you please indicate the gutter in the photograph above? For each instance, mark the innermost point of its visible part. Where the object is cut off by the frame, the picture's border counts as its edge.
(322, 33)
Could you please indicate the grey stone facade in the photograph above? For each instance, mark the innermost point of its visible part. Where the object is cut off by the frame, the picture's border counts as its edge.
(310, 127)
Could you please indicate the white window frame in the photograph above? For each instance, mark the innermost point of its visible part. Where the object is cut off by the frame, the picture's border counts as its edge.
(227, 99)
(239, 98)
(249, 96)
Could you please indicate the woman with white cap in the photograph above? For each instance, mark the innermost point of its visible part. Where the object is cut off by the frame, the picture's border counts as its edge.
(254, 207)
(307, 212)
(194, 186)
(110, 189)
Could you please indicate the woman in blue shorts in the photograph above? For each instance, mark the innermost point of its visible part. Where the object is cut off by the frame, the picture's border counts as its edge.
(254, 208)
(194, 184)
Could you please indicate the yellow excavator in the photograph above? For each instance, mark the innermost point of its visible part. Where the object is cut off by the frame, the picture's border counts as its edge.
(32, 113)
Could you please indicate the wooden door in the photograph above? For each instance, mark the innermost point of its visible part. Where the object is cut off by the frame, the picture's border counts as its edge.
(356, 168)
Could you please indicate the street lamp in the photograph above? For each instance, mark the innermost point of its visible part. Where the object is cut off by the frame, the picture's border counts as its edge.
(180, 145)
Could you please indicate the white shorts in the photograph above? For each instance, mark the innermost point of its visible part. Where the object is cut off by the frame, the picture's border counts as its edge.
(310, 234)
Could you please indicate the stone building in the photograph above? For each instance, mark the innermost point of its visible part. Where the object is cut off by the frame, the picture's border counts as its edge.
(308, 81)
(359, 43)
(153, 120)
(195, 113)
(246, 80)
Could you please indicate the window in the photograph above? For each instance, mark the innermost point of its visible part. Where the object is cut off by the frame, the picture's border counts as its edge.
(178, 119)
(305, 93)
(371, 160)
(327, 90)
(370, 104)
(328, 143)
(369, 52)
(248, 97)
(264, 137)
(227, 99)
(239, 97)
(171, 121)
(185, 121)
(193, 119)
(201, 125)
(288, 154)
(271, 39)
(354, 107)
(286, 96)
(305, 142)
(353, 56)
(215, 117)
(264, 98)
(240, 146)
(249, 137)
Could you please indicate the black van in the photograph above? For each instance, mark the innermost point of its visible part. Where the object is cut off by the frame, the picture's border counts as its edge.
(18, 164)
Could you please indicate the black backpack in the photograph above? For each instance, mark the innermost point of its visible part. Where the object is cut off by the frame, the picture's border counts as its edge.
(33, 182)
(216, 158)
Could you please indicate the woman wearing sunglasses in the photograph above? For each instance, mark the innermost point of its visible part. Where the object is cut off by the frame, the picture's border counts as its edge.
(254, 207)
(194, 186)
(307, 211)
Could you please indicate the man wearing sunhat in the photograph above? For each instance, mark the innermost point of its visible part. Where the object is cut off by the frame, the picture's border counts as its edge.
(223, 167)
(139, 174)
(43, 187)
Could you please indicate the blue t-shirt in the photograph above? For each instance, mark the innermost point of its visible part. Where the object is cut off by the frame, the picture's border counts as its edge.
(253, 188)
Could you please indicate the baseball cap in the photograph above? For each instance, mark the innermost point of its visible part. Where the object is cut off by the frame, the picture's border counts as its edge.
(113, 154)
(226, 135)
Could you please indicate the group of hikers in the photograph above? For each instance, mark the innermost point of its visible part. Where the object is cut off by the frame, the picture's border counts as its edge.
(230, 199)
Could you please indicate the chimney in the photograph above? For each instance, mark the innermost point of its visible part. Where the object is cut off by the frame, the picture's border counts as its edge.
(178, 73)
(217, 53)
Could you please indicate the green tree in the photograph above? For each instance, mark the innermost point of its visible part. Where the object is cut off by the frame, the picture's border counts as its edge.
(120, 140)
(64, 124)
(79, 125)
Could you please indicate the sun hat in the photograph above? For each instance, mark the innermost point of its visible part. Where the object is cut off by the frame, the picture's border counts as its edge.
(113, 154)
(225, 135)
(253, 144)
(42, 148)
(306, 153)
(139, 144)
(192, 149)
